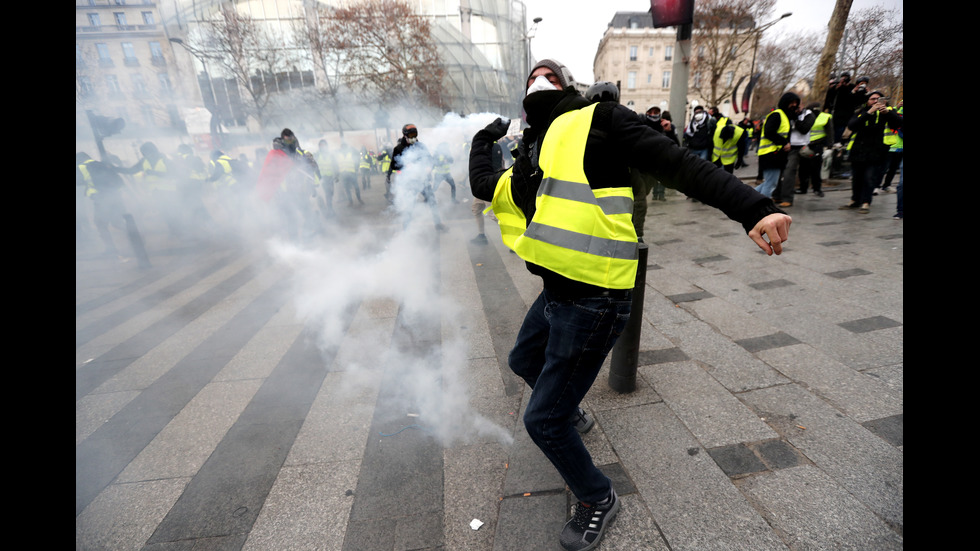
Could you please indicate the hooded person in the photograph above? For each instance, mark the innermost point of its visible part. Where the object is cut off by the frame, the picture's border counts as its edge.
(565, 207)
(774, 142)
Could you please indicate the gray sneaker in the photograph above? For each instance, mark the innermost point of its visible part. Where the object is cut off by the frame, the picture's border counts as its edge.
(583, 421)
(587, 525)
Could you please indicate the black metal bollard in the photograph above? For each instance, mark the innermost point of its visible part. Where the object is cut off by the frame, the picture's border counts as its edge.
(136, 241)
(625, 354)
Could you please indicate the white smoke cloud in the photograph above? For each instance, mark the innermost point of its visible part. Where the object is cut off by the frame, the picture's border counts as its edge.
(333, 277)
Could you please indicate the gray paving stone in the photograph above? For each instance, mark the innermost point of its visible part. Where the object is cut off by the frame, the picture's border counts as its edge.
(861, 397)
(859, 461)
(712, 414)
(728, 363)
(810, 511)
(694, 503)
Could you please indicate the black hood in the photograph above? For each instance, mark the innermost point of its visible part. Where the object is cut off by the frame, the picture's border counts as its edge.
(788, 98)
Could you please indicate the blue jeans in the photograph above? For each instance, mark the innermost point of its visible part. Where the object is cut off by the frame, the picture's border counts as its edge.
(770, 179)
(901, 180)
(559, 350)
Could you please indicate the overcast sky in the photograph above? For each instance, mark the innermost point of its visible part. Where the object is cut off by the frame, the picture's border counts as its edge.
(570, 29)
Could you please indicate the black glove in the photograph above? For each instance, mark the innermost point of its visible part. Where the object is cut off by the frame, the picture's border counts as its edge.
(498, 128)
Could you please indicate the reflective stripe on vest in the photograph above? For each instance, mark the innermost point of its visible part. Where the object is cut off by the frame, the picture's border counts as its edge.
(584, 234)
(347, 162)
(89, 185)
(155, 182)
(226, 179)
(443, 166)
(325, 164)
(765, 144)
(818, 130)
(510, 218)
(726, 151)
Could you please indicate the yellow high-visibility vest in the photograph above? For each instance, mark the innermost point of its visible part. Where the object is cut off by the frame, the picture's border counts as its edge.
(765, 144)
(584, 234)
(226, 179)
(819, 129)
(89, 185)
(727, 151)
(154, 182)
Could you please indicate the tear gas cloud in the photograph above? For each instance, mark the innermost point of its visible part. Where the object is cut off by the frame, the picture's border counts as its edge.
(336, 276)
(347, 269)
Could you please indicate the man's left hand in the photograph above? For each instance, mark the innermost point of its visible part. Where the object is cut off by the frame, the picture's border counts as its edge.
(775, 227)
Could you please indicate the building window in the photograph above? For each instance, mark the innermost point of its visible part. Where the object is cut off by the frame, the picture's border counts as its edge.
(84, 85)
(729, 78)
(105, 60)
(651, 51)
(631, 80)
(120, 18)
(649, 78)
(668, 53)
(156, 54)
(148, 18)
(94, 20)
(129, 54)
(139, 85)
(147, 112)
(633, 53)
(665, 83)
(112, 84)
(697, 79)
(79, 58)
(165, 85)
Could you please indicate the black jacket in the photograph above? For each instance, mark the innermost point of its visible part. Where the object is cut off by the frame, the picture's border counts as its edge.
(618, 140)
(869, 145)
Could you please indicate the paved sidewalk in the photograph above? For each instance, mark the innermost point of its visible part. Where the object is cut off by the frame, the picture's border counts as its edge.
(354, 394)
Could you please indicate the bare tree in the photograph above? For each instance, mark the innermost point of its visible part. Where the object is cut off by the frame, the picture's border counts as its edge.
(387, 52)
(313, 34)
(835, 30)
(246, 52)
(874, 47)
(723, 35)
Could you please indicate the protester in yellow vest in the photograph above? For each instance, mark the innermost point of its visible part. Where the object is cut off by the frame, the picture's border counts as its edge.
(565, 208)
(327, 162)
(154, 175)
(442, 171)
(869, 149)
(774, 142)
(728, 141)
(811, 162)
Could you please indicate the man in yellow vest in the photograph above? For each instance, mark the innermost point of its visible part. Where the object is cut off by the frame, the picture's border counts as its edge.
(871, 125)
(347, 164)
(153, 169)
(327, 163)
(442, 171)
(821, 137)
(103, 186)
(727, 142)
(565, 207)
(774, 142)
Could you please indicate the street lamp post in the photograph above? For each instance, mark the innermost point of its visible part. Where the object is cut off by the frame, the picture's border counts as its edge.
(528, 36)
(755, 48)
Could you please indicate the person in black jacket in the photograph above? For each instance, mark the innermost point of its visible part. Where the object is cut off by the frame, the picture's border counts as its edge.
(869, 152)
(409, 175)
(573, 324)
